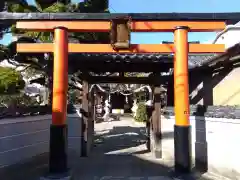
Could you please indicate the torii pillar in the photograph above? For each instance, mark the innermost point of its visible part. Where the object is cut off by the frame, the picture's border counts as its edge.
(58, 129)
(182, 129)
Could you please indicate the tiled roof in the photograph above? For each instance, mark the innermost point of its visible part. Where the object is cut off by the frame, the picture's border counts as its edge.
(195, 60)
(199, 60)
(126, 57)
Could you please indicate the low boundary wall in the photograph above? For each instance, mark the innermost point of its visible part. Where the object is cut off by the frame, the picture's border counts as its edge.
(25, 137)
(215, 144)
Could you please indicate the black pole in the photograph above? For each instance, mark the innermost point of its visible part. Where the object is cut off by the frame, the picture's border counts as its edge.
(58, 149)
(182, 148)
(58, 166)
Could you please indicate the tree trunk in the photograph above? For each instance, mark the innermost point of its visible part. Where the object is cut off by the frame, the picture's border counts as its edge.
(50, 90)
(50, 87)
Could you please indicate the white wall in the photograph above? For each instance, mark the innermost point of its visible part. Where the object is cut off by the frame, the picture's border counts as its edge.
(223, 146)
(23, 138)
(230, 36)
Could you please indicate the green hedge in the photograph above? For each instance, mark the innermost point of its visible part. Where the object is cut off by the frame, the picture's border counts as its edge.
(141, 114)
(21, 99)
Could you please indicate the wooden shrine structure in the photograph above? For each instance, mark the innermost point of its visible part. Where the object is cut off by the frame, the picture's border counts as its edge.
(120, 26)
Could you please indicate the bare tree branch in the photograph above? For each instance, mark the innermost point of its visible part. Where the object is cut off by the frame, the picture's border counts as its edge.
(25, 68)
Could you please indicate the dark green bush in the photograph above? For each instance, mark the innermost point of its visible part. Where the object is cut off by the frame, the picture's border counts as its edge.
(140, 96)
(141, 115)
(73, 96)
(20, 99)
(11, 81)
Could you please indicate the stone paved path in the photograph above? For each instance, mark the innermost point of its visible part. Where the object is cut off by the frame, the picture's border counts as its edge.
(119, 154)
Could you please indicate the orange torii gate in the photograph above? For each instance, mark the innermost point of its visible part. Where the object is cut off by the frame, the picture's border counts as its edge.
(180, 25)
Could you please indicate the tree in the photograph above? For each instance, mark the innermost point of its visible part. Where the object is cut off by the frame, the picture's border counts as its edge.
(17, 100)
(43, 63)
(11, 84)
(11, 81)
(58, 6)
(3, 7)
(3, 52)
(141, 114)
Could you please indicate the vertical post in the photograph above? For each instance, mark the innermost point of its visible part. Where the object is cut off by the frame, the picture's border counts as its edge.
(182, 129)
(149, 118)
(94, 108)
(58, 129)
(85, 115)
(156, 123)
(90, 132)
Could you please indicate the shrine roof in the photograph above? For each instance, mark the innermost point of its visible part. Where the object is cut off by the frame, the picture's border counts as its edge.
(194, 60)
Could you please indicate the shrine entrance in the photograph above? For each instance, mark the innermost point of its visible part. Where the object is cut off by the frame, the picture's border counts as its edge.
(116, 57)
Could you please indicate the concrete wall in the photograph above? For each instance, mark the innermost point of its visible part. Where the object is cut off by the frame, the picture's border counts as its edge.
(227, 91)
(220, 88)
(229, 36)
(23, 138)
(217, 148)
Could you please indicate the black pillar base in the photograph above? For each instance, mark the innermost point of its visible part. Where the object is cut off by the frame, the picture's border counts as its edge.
(148, 139)
(58, 149)
(201, 156)
(157, 154)
(83, 141)
(182, 149)
(61, 176)
(157, 151)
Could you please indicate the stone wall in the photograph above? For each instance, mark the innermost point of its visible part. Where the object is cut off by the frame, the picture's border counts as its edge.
(215, 144)
(25, 137)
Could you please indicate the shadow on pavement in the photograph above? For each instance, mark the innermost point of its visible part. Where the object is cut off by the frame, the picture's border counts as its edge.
(28, 170)
(121, 153)
(119, 138)
(108, 160)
